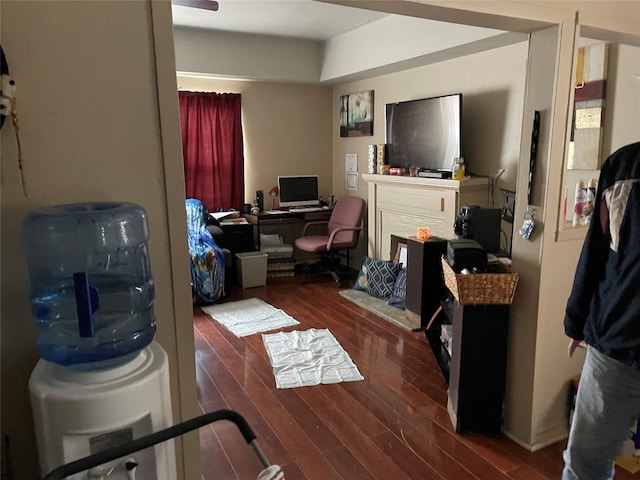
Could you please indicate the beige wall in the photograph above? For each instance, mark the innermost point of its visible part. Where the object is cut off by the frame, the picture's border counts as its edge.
(89, 114)
(261, 57)
(522, 398)
(622, 104)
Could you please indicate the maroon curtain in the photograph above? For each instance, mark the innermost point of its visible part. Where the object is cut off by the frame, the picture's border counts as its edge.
(212, 148)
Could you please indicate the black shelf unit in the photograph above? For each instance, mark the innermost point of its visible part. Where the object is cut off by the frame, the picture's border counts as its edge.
(478, 367)
(425, 283)
(476, 370)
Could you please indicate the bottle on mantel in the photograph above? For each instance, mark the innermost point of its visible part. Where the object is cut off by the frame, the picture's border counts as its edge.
(457, 169)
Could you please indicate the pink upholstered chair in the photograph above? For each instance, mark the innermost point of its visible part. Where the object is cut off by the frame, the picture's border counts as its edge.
(342, 232)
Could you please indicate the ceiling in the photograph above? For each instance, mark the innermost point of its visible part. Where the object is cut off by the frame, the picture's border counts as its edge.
(408, 41)
(306, 19)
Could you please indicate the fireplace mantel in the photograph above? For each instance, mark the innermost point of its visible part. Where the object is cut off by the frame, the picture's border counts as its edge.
(398, 205)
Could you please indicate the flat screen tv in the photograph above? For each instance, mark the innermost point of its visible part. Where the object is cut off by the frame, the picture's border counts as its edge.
(298, 190)
(425, 133)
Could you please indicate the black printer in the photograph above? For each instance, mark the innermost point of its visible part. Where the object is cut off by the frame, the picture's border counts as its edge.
(466, 253)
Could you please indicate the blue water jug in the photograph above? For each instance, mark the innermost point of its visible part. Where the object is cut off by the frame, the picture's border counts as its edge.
(91, 287)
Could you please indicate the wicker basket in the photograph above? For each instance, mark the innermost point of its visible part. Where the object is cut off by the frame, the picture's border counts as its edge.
(480, 288)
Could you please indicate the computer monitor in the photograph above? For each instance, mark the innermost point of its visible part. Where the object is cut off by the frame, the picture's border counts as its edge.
(298, 190)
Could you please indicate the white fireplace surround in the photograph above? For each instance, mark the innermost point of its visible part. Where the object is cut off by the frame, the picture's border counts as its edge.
(398, 205)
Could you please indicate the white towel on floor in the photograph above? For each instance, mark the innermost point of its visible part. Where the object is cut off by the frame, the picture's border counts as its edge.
(311, 357)
(246, 317)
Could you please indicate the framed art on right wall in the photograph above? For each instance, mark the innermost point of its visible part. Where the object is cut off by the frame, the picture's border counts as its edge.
(585, 145)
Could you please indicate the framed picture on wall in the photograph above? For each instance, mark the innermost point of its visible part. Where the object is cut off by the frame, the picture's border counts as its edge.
(356, 114)
(585, 146)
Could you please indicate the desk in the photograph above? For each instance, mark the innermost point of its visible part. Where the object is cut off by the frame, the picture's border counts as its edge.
(284, 217)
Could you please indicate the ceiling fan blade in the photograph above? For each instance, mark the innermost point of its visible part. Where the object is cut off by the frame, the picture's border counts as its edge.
(203, 4)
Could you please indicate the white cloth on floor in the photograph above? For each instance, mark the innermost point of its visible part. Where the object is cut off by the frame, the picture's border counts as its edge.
(311, 357)
(249, 316)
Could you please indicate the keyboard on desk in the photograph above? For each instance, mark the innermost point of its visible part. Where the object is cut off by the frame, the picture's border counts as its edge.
(307, 209)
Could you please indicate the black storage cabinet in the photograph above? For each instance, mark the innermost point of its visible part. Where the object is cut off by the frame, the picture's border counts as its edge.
(478, 367)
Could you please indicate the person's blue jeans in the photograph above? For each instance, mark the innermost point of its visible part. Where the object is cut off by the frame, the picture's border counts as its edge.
(608, 403)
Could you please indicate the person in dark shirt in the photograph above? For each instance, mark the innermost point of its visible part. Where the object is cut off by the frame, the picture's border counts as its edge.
(603, 315)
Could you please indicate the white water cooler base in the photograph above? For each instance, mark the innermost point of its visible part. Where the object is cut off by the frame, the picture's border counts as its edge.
(79, 413)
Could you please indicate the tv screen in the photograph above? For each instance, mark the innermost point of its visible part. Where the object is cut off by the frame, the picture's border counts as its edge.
(298, 190)
(425, 133)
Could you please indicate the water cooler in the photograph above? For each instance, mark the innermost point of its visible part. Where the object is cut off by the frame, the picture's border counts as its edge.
(101, 381)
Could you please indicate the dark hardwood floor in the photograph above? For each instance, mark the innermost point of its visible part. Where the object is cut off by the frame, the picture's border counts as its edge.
(393, 425)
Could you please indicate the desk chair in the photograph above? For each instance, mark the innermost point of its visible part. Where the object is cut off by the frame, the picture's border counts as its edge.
(342, 231)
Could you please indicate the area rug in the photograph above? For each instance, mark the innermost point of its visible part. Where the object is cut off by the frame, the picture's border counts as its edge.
(249, 316)
(379, 307)
(310, 357)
